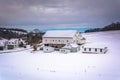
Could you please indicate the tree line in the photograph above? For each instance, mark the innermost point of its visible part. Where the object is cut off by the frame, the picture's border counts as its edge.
(13, 29)
(8, 33)
(113, 26)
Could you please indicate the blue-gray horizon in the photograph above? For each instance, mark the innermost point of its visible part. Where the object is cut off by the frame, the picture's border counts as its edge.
(44, 14)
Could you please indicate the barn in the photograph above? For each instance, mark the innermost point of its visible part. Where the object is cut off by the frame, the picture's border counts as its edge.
(59, 38)
(94, 48)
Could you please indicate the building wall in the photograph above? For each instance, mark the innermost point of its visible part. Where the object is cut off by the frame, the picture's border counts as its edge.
(65, 51)
(14, 43)
(94, 50)
(82, 41)
(74, 49)
(57, 40)
(48, 49)
(77, 38)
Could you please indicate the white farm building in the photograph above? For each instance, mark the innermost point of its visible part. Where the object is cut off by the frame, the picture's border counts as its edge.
(94, 48)
(59, 38)
(70, 47)
(13, 43)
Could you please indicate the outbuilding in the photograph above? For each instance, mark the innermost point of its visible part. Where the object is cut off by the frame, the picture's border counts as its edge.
(70, 47)
(48, 49)
(94, 48)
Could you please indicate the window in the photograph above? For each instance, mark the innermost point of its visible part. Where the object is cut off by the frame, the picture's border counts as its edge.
(95, 50)
(67, 41)
(46, 44)
(59, 40)
(100, 50)
(46, 40)
(84, 49)
(89, 49)
(53, 40)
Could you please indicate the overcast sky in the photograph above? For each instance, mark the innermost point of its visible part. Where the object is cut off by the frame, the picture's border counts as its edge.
(59, 13)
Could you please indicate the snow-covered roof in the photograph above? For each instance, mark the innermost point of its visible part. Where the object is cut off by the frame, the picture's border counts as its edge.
(13, 40)
(94, 45)
(70, 45)
(60, 33)
(73, 44)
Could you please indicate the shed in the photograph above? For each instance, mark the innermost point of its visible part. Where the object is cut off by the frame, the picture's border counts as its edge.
(94, 48)
(48, 49)
(70, 47)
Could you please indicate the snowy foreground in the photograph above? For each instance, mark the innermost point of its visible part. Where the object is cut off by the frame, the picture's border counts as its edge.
(25, 65)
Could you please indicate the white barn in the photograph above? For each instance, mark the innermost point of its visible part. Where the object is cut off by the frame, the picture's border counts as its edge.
(58, 38)
(93, 48)
(70, 47)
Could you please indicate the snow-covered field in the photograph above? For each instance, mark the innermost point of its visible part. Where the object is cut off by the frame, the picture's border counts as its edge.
(25, 65)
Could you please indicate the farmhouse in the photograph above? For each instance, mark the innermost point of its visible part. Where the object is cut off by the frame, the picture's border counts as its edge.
(59, 38)
(70, 47)
(13, 43)
(94, 48)
(3, 44)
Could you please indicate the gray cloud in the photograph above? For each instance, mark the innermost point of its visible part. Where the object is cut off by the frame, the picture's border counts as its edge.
(94, 13)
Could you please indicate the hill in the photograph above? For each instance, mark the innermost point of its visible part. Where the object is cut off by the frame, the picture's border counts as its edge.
(12, 33)
(113, 26)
